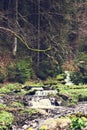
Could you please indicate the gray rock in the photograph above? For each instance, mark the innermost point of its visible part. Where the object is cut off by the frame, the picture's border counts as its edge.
(1, 100)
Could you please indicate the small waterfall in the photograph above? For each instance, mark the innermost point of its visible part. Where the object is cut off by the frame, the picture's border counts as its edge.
(45, 92)
(68, 80)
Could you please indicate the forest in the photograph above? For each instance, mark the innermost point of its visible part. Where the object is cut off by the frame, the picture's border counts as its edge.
(43, 64)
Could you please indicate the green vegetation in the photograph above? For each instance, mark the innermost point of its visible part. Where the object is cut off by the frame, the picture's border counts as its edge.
(78, 122)
(16, 104)
(30, 111)
(61, 76)
(3, 74)
(2, 106)
(7, 88)
(75, 94)
(80, 76)
(34, 83)
(20, 71)
(6, 120)
(46, 69)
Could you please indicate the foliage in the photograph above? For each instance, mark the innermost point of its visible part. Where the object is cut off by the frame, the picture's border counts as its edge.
(46, 69)
(3, 73)
(61, 76)
(78, 122)
(2, 105)
(16, 104)
(76, 77)
(30, 111)
(81, 75)
(30, 129)
(6, 120)
(83, 47)
(44, 127)
(9, 88)
(76, 93)
(35, 83)
(20, 71)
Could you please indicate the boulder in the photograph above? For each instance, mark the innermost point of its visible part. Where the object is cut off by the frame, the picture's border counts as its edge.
(57, 124)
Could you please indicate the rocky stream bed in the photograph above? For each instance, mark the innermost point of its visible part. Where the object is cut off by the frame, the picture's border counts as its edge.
(37, 108)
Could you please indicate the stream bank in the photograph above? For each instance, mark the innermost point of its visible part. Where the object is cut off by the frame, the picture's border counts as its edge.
(32, 109)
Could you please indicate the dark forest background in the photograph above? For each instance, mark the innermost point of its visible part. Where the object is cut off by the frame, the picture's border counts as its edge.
(42, 38)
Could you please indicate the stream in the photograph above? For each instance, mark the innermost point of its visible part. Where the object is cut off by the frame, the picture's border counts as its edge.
(47, 107)
(42, 101)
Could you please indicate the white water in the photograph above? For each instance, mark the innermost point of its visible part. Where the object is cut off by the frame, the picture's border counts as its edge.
(45, 92)
(68, 80)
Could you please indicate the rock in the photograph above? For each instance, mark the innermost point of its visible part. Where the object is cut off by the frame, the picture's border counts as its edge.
(55, 102)
(36, 88)
(50, 123)
(25, 127)
(14, 127)
(57, 124)
(1, 100)
(65, 97)
(26, 87)
(84, 128)
(42, 111)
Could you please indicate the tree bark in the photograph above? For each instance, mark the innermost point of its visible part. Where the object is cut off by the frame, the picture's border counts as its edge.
(16, 30)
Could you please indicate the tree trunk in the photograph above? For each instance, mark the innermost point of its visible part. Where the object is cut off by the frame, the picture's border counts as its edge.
(16, 30)
(38, 54)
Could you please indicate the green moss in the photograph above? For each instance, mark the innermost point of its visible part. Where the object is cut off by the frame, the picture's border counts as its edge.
(74, 94)
(7, 88)
(17, 104)
(61, 77)
(30, 111)
(2, 106)
(6, 120)
(34, 83)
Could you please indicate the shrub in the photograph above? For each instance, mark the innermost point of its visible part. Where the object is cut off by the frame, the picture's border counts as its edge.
(78, 122)
(46, 69)
(81, 75)
(76, 77)
(3, 73)
(20, 71)
(6, 120)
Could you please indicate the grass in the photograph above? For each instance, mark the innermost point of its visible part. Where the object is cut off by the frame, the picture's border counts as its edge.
(7, 88)
(16, 104)
(2, 106)
(74, 93)
(30, 111)
(34, 83)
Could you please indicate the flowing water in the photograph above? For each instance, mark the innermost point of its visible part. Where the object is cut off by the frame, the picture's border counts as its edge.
(68, 80)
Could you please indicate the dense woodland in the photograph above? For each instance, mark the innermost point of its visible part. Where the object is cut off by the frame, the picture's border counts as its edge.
(42, 38)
